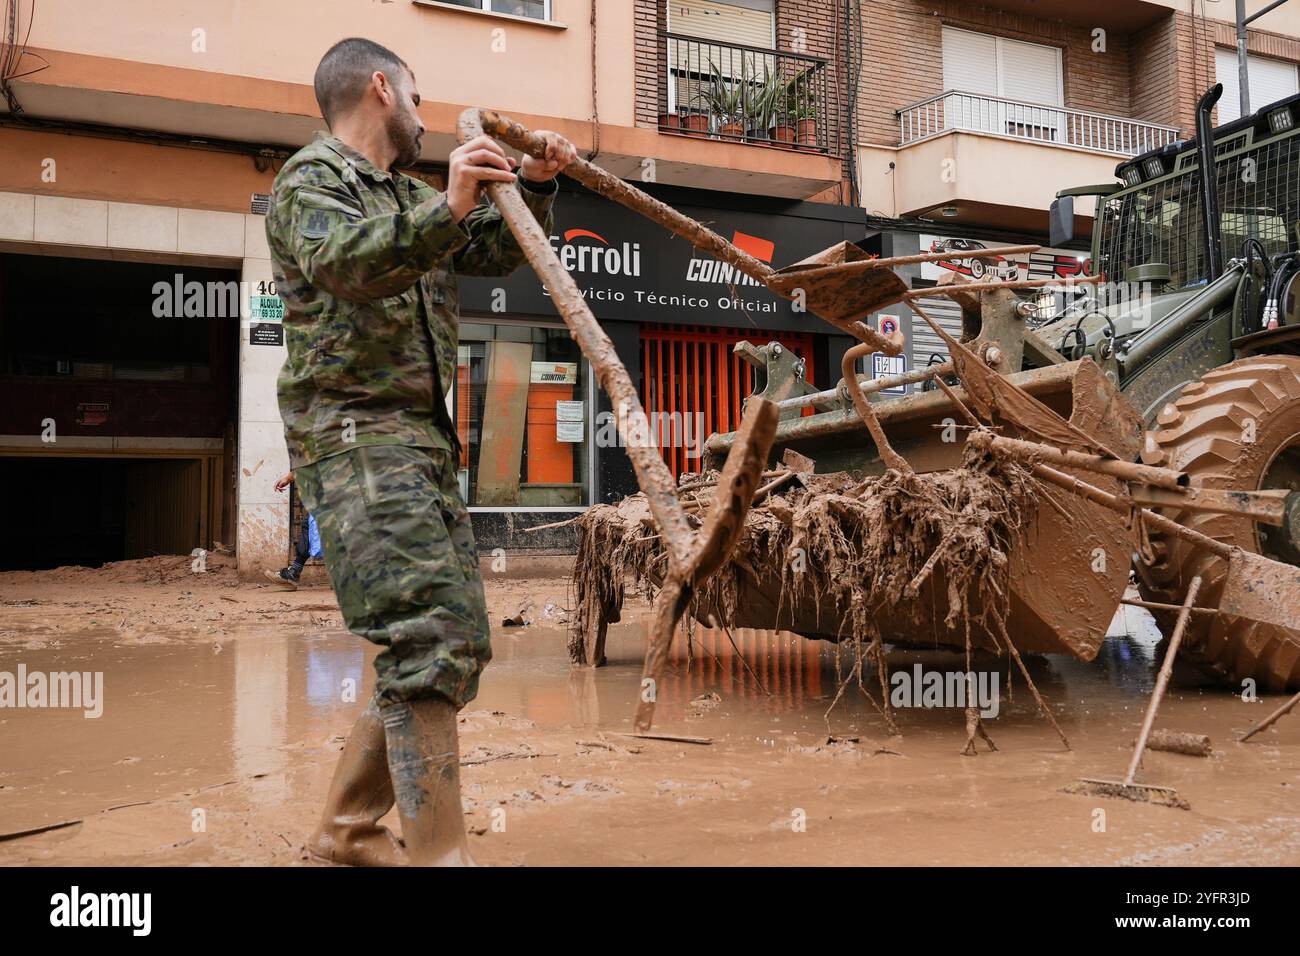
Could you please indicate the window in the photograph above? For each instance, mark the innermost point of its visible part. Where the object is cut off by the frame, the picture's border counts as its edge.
(981, 70)
(522, 409)
(995, 66)
(746, 22)
(533, 9)
(1270, 81)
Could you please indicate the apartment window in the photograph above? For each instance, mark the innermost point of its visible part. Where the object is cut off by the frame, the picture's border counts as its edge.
(533, 9)
(1270, 80)
(984, 72)
(718, 61)
(746, 22)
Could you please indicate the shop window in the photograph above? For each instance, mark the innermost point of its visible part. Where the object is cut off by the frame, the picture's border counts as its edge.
(522, 412)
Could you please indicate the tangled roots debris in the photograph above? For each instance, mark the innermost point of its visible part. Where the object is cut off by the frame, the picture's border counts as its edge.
(851, 546)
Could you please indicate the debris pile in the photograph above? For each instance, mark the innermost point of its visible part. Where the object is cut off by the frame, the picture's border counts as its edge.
(849, 545)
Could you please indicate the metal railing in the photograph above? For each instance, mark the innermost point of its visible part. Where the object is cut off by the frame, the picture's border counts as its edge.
(978, 113)
(743, 93)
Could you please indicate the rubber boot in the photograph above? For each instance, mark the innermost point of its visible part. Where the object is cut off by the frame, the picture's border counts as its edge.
(424, 762)
(360, 794)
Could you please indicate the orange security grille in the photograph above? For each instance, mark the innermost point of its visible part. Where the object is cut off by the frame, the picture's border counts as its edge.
(692, 384)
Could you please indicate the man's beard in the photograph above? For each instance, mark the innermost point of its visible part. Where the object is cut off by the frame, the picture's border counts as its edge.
(405, 140)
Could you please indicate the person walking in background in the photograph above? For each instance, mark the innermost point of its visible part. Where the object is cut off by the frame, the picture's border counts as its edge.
(307, 546)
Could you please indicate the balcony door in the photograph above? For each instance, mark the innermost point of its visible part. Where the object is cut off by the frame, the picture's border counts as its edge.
(706, 38)
(1000, 86)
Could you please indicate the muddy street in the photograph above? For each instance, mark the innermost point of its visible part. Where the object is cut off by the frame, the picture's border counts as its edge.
(216, 740)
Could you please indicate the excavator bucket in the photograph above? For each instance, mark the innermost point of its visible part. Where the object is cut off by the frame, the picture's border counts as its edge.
(1070, 558)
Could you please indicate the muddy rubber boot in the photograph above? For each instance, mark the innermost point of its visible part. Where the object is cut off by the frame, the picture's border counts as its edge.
(360, 794)
(424, 762)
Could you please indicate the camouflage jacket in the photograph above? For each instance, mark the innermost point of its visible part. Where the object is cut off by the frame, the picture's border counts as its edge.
(366, 262)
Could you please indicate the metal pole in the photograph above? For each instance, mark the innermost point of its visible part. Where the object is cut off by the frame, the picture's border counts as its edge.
(1243, 60)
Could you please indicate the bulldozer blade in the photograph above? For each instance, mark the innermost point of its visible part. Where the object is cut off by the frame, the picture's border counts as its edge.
(1264, 590)
(1137, 792)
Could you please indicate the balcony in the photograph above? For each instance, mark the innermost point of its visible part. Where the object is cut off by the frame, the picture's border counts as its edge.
(744, 94)
(1048, 125)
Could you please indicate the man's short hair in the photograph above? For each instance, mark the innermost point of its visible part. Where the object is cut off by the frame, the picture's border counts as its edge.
(344, 73)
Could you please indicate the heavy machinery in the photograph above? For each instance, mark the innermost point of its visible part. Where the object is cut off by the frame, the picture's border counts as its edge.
(1186, 359)
(1211, 360)
(1197, 328)
(1000, 507)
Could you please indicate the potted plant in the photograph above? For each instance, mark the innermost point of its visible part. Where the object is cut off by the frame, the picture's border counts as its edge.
(726, 99)
(801, 104)
(806, 124)
(695, 116)
(776, 98)
(761, 109)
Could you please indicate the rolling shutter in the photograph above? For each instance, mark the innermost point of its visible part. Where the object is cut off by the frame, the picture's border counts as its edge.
(977, 66)
(970, 62)
(1270, 80)
(994, 66)
(747, 24)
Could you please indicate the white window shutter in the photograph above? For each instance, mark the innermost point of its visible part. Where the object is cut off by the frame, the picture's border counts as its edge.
(723, 22)
(970, 62)
(1270, 80)
(1030, 72)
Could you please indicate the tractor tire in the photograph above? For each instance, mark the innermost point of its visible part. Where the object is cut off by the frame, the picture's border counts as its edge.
(1207, 433)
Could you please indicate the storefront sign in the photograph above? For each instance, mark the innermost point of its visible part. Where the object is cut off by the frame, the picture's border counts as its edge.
(553, 373)
(1043, 264)
(632, 269)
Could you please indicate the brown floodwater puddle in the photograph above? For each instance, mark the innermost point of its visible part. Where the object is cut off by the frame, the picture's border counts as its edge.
(182, 717)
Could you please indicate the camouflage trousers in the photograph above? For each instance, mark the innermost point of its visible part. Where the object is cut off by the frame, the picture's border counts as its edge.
(398, 545)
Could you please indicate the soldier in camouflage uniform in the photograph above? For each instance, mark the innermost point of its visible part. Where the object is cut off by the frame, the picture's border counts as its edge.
(365, 259)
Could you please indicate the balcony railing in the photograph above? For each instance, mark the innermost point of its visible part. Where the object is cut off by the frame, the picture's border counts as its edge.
(742, 93)
(1044, 124)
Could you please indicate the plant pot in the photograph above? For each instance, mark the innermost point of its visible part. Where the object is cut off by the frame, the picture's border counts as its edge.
(732, 130)
(670, 121)
(697, 124)
(781, 134)
(806, 132)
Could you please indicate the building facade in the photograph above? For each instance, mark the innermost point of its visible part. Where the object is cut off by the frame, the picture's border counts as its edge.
(971, 116)
(139, 328)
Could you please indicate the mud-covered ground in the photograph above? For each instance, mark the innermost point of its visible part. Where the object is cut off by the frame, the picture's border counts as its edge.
(225, 704)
